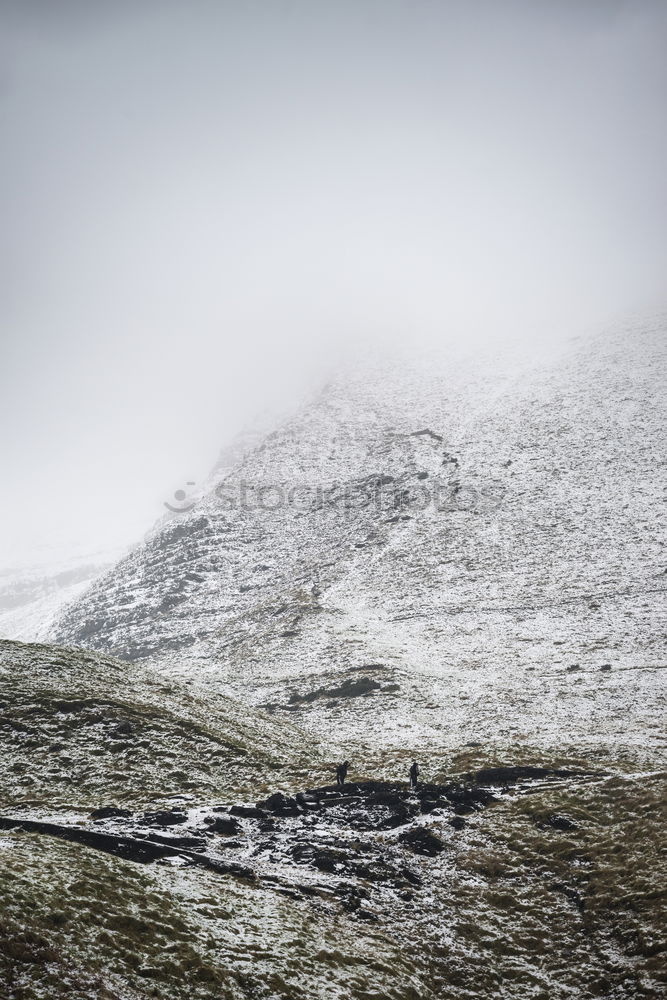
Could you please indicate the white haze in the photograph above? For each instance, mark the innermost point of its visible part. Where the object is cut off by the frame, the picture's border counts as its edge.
(207, 205)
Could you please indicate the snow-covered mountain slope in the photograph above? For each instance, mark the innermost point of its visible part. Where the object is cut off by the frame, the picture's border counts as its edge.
(33, 591)
(464, 551)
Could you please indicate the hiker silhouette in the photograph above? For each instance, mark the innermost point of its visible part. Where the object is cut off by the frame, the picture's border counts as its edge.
(414, 774)
(341, 773)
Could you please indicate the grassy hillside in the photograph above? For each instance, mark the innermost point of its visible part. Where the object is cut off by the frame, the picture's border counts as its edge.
(80, 729)
(541, 886)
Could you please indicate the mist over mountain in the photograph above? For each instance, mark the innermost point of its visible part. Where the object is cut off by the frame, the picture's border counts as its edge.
(207, 209)
(456, 531)
(333, 586)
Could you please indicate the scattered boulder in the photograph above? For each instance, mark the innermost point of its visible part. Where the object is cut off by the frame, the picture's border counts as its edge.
(558, 822)
(222, 824)
(324, 858)
(467, 798)
(421, 840)
(110, 812)
(252, 812)
(280, 805)
(307, 801)
(351, 688)
(164, 817)
(457, 822)
(69, 707)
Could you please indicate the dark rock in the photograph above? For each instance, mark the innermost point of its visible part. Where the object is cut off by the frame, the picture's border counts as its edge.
(339, 800)
(323, 858)
(129, 848)
(222, 824)
(606, 666)
(410, 877)
(427, 433)
(467, 798)
(224, 868)
(279, 804)
(252, 812)
(164, 817)
(421, 840)
(69, 707)
(350, 688)
(558, 822)
(173, 840)
(385, 798)
(110, 812)
(457, 822)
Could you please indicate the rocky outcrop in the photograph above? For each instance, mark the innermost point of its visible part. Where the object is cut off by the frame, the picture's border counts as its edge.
(355, 687)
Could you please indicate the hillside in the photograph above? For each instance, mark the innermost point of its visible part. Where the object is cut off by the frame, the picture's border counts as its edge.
(157, 846)
(475, 548)
(81, 730)
(457, 563)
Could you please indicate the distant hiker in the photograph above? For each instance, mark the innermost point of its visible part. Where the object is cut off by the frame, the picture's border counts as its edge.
(341, 773)
(414, 774)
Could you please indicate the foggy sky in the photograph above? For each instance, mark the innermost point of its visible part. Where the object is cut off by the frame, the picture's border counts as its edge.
(206, 204)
